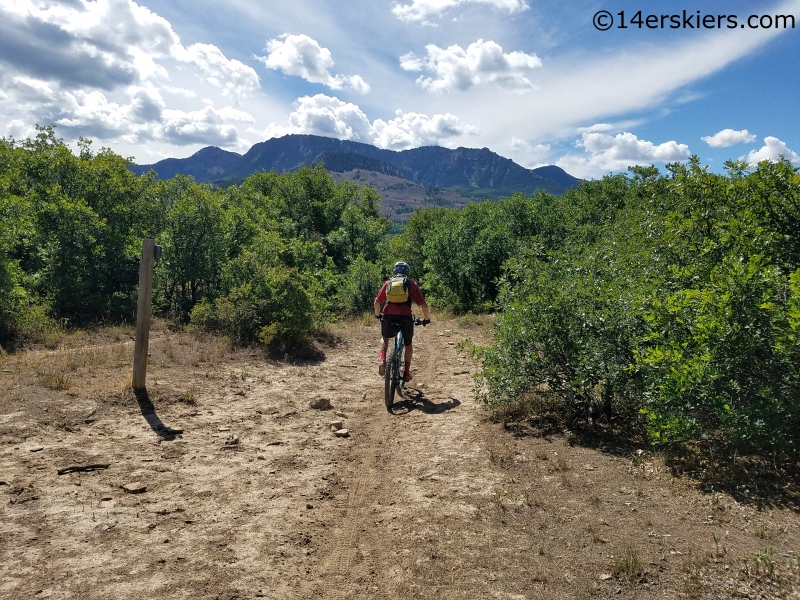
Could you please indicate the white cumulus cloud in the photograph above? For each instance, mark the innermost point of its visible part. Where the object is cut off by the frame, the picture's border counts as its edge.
(420, 10)
(483, 62)
(330, 116)
(236, 79)
(206, 126)
(409, 130)
(98, 68)
(302, 56)
(728, 137)
(618, 152)
(527, 153)
(772, 150)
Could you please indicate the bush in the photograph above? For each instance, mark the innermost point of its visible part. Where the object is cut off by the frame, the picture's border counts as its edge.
(260, 304)
(669, 302)
(359, 286)
(721, 360)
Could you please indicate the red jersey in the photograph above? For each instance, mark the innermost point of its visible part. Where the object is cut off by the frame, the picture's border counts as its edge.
(394, 308)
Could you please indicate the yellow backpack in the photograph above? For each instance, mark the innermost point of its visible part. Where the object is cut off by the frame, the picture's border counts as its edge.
(397, 290)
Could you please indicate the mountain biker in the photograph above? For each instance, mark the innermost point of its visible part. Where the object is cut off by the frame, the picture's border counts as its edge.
(398, 310)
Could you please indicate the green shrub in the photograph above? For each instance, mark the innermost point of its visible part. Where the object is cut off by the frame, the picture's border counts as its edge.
(260, 304)
(359, 286)
(669, 302)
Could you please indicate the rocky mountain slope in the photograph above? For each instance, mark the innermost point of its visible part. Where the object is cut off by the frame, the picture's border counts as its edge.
(480, 172)
(430, 175)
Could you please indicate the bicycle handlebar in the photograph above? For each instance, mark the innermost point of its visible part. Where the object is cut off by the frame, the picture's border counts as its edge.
(417, 320)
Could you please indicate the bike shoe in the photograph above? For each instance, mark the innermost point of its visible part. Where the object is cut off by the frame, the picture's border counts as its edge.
(382, 368)
(407, 376)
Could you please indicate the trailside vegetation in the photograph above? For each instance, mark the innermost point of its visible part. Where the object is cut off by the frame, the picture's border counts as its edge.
(666, 302)
(266, 262)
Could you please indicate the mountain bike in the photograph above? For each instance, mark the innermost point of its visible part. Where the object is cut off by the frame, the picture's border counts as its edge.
(393, 376)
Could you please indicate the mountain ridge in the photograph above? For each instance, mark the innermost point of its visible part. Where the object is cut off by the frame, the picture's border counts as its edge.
(481, 173)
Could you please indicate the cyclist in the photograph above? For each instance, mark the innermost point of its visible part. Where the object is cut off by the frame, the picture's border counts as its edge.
(398, 293)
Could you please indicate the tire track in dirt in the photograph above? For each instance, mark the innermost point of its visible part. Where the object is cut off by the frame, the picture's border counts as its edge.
(339, 565)
(384, 518)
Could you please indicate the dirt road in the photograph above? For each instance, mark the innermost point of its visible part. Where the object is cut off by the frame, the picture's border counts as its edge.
(248, 493)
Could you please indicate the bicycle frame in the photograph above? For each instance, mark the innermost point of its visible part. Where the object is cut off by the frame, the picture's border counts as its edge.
(395, 367)
(393, 376)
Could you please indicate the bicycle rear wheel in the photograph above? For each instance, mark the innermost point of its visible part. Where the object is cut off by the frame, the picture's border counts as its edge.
(390, 377)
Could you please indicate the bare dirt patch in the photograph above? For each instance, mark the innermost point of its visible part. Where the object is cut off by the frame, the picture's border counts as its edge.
(236, 488)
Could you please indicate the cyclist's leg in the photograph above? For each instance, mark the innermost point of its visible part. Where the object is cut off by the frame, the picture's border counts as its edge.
(386, 337)
(408, 336)
(382, 364)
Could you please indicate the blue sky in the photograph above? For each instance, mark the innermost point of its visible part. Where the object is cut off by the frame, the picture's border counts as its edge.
(532, 80)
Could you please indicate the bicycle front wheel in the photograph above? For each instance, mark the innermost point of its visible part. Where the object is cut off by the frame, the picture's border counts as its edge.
(390, 378)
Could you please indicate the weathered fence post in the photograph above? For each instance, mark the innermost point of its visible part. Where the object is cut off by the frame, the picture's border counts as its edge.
(143, 313)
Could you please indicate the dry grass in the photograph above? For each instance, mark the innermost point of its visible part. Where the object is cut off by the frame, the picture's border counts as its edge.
(628, 566)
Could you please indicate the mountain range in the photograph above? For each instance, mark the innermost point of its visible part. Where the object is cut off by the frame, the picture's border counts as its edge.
(405, 179)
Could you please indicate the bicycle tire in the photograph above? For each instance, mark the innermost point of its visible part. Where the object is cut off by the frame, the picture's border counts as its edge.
(398, 344)
(390, 378)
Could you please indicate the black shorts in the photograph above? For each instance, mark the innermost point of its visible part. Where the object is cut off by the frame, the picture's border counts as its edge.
(391, 324)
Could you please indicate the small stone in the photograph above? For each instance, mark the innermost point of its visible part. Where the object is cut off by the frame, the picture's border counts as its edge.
(309, 506)
(106, 498)
(37, 449)
(342, 433)
(364, 396)
(223, 428)
(134, 488)
(341, 414)
(604, 577)
(462, 372)
(232, 440)
(320, 404)
(337, 424)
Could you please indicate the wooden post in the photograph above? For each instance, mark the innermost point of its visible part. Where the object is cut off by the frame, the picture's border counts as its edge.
(143, 314)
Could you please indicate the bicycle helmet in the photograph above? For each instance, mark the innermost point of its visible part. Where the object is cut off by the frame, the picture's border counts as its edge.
(401, 268)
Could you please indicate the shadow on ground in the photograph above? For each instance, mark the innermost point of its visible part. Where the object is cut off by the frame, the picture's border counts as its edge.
(149, 413)
(414, 399)
(761, 481)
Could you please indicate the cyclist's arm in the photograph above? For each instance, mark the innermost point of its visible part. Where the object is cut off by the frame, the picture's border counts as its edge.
(380, 299)
(425, 314)
(416, 295)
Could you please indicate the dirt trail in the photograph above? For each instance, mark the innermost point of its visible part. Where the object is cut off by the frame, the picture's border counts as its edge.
(433, 501)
